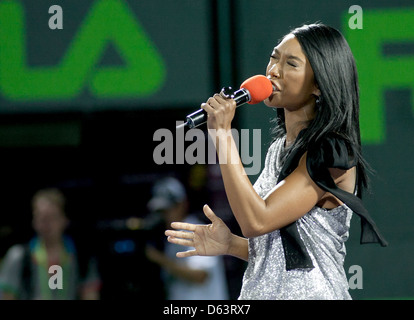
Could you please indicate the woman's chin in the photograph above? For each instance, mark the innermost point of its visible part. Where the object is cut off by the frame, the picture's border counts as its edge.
(271, 103)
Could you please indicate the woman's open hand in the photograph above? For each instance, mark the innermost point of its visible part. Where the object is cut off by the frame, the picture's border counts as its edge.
(208, 240)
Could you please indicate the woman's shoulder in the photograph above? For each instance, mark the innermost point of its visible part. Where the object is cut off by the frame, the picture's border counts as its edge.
(276, 146)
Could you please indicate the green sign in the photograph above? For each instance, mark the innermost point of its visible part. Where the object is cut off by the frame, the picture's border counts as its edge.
(108, 21)
(377, 71)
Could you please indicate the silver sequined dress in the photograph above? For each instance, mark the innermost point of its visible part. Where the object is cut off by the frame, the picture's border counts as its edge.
(324, 233)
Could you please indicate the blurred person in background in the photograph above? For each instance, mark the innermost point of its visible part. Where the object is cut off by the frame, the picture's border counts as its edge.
(197, 278)
(24, 272)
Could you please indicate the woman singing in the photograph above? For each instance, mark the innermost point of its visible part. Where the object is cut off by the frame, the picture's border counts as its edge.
(295, 219)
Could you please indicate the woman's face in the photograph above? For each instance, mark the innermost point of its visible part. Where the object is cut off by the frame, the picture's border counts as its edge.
(291, 75)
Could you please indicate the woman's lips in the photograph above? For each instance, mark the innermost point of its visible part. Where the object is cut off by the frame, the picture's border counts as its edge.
(275, 87)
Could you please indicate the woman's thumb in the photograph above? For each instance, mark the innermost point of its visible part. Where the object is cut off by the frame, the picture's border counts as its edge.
(209, 213)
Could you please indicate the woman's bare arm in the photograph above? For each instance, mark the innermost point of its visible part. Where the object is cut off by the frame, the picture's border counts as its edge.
(289, 200)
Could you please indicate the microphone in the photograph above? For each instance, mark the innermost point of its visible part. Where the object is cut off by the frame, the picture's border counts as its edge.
(252, 91)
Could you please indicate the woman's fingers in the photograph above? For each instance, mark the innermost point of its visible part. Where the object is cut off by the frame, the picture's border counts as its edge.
(211, 105)
(186, 254)
(184, 233)
(183, 226)
(189, 226)
(208, 108)
(179, 234)
(181, 242)
(182, 238)
(216, 102)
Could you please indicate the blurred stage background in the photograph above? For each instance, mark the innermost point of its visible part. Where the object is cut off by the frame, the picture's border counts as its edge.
(79, 107)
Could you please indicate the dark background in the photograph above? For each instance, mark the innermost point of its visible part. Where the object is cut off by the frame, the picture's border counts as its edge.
(99, 151)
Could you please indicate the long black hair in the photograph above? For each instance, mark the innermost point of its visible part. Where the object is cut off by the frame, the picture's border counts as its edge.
(337, 107)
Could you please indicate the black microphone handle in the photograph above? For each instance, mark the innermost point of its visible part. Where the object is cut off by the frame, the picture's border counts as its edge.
(199, 117)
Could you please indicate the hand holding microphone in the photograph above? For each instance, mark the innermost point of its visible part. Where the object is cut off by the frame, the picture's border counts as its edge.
(252, 91)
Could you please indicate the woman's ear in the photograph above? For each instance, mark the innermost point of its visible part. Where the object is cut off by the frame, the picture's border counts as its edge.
(316, 91)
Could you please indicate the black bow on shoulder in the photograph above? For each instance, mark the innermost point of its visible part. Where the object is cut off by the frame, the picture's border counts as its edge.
(330, 152)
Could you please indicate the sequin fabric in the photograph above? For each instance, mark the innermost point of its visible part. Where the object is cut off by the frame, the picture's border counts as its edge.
(324, 233)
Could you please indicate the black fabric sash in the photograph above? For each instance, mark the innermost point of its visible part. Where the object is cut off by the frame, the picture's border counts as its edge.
(331, 152)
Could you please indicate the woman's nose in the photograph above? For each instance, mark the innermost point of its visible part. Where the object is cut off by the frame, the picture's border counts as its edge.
(274, 71)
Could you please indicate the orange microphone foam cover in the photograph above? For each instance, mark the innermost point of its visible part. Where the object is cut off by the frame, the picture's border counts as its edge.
(259, 87)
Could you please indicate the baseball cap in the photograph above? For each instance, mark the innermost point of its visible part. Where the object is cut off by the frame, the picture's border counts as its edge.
(166, 193)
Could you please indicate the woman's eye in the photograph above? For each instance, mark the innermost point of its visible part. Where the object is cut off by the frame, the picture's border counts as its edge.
(291, 64)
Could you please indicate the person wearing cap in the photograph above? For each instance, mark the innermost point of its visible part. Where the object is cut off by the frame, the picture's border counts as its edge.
(197, 278)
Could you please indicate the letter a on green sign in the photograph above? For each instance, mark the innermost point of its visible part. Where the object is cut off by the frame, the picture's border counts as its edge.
(107, 21)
